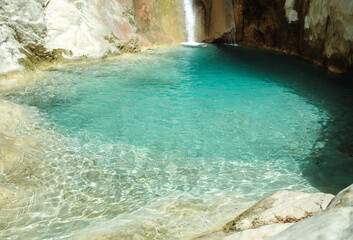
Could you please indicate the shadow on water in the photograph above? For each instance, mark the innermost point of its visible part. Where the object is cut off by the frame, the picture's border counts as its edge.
(329, 167)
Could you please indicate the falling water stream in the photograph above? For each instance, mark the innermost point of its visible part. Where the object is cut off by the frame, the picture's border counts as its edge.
(190, 22)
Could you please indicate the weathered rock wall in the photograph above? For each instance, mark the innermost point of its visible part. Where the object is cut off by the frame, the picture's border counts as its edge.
(160, 21)
(320, 31)
(218, 23)
(34, 32)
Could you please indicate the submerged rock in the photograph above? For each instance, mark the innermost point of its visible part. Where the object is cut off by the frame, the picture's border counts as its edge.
(12, 146)
(11, 114)
(22, 144)
(9, 152)
(6, 196)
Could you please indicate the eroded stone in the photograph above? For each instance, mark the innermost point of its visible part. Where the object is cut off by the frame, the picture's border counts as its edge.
(343, 198)
(332, 224)
(261, 233)
(281, 207)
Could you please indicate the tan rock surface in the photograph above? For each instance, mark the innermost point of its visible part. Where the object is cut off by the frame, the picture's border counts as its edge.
(335, 223)
(219, 21)
(272, 215)
(332, 224)
(6, 196)
(261, 233)
(281, 207)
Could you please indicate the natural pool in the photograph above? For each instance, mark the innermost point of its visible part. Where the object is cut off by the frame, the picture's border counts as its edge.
(170, 143)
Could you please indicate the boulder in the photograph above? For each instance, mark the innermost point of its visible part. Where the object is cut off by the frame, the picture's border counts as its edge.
(335, 223)
(6, 196)
(343, 198)
(281, 207)
(272, 215)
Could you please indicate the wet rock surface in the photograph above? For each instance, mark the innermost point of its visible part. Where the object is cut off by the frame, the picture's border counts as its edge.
(319, 31)
(7, 196)
(333, 223)
(36, 32)
(219, 25)
(290, 215)
(315, 30)
(281, 207)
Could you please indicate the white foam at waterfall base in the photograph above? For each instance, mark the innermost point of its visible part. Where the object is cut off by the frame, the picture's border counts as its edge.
(189, 22)
(194, 44)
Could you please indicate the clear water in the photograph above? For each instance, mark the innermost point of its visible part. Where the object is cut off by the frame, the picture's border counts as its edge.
(172, 143)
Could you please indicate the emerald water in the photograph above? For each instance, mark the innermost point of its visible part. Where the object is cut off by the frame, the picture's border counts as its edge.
(172, 143)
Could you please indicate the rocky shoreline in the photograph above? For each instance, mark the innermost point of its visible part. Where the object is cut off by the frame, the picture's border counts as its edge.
(293, 215)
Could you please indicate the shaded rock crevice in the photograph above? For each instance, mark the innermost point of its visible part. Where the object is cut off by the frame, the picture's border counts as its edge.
(219, 25)
(319, 31)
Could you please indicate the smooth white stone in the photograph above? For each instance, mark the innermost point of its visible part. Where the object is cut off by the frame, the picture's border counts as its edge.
(283, 206)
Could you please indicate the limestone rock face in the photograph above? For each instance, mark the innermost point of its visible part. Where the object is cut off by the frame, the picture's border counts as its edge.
(9, 48)
(218, 24)
(329, 25)
(159, 21)
(33, 32)
(21, 21)
(281, 207)
(320, 31)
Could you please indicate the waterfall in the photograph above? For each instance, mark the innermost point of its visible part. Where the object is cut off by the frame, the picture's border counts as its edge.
(189, 21)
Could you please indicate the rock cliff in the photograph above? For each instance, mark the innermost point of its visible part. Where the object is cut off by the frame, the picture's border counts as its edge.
(34, 32)
(218, 20)
(320, 31)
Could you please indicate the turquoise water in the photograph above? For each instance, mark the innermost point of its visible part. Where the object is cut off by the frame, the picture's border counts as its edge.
(173, 142)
